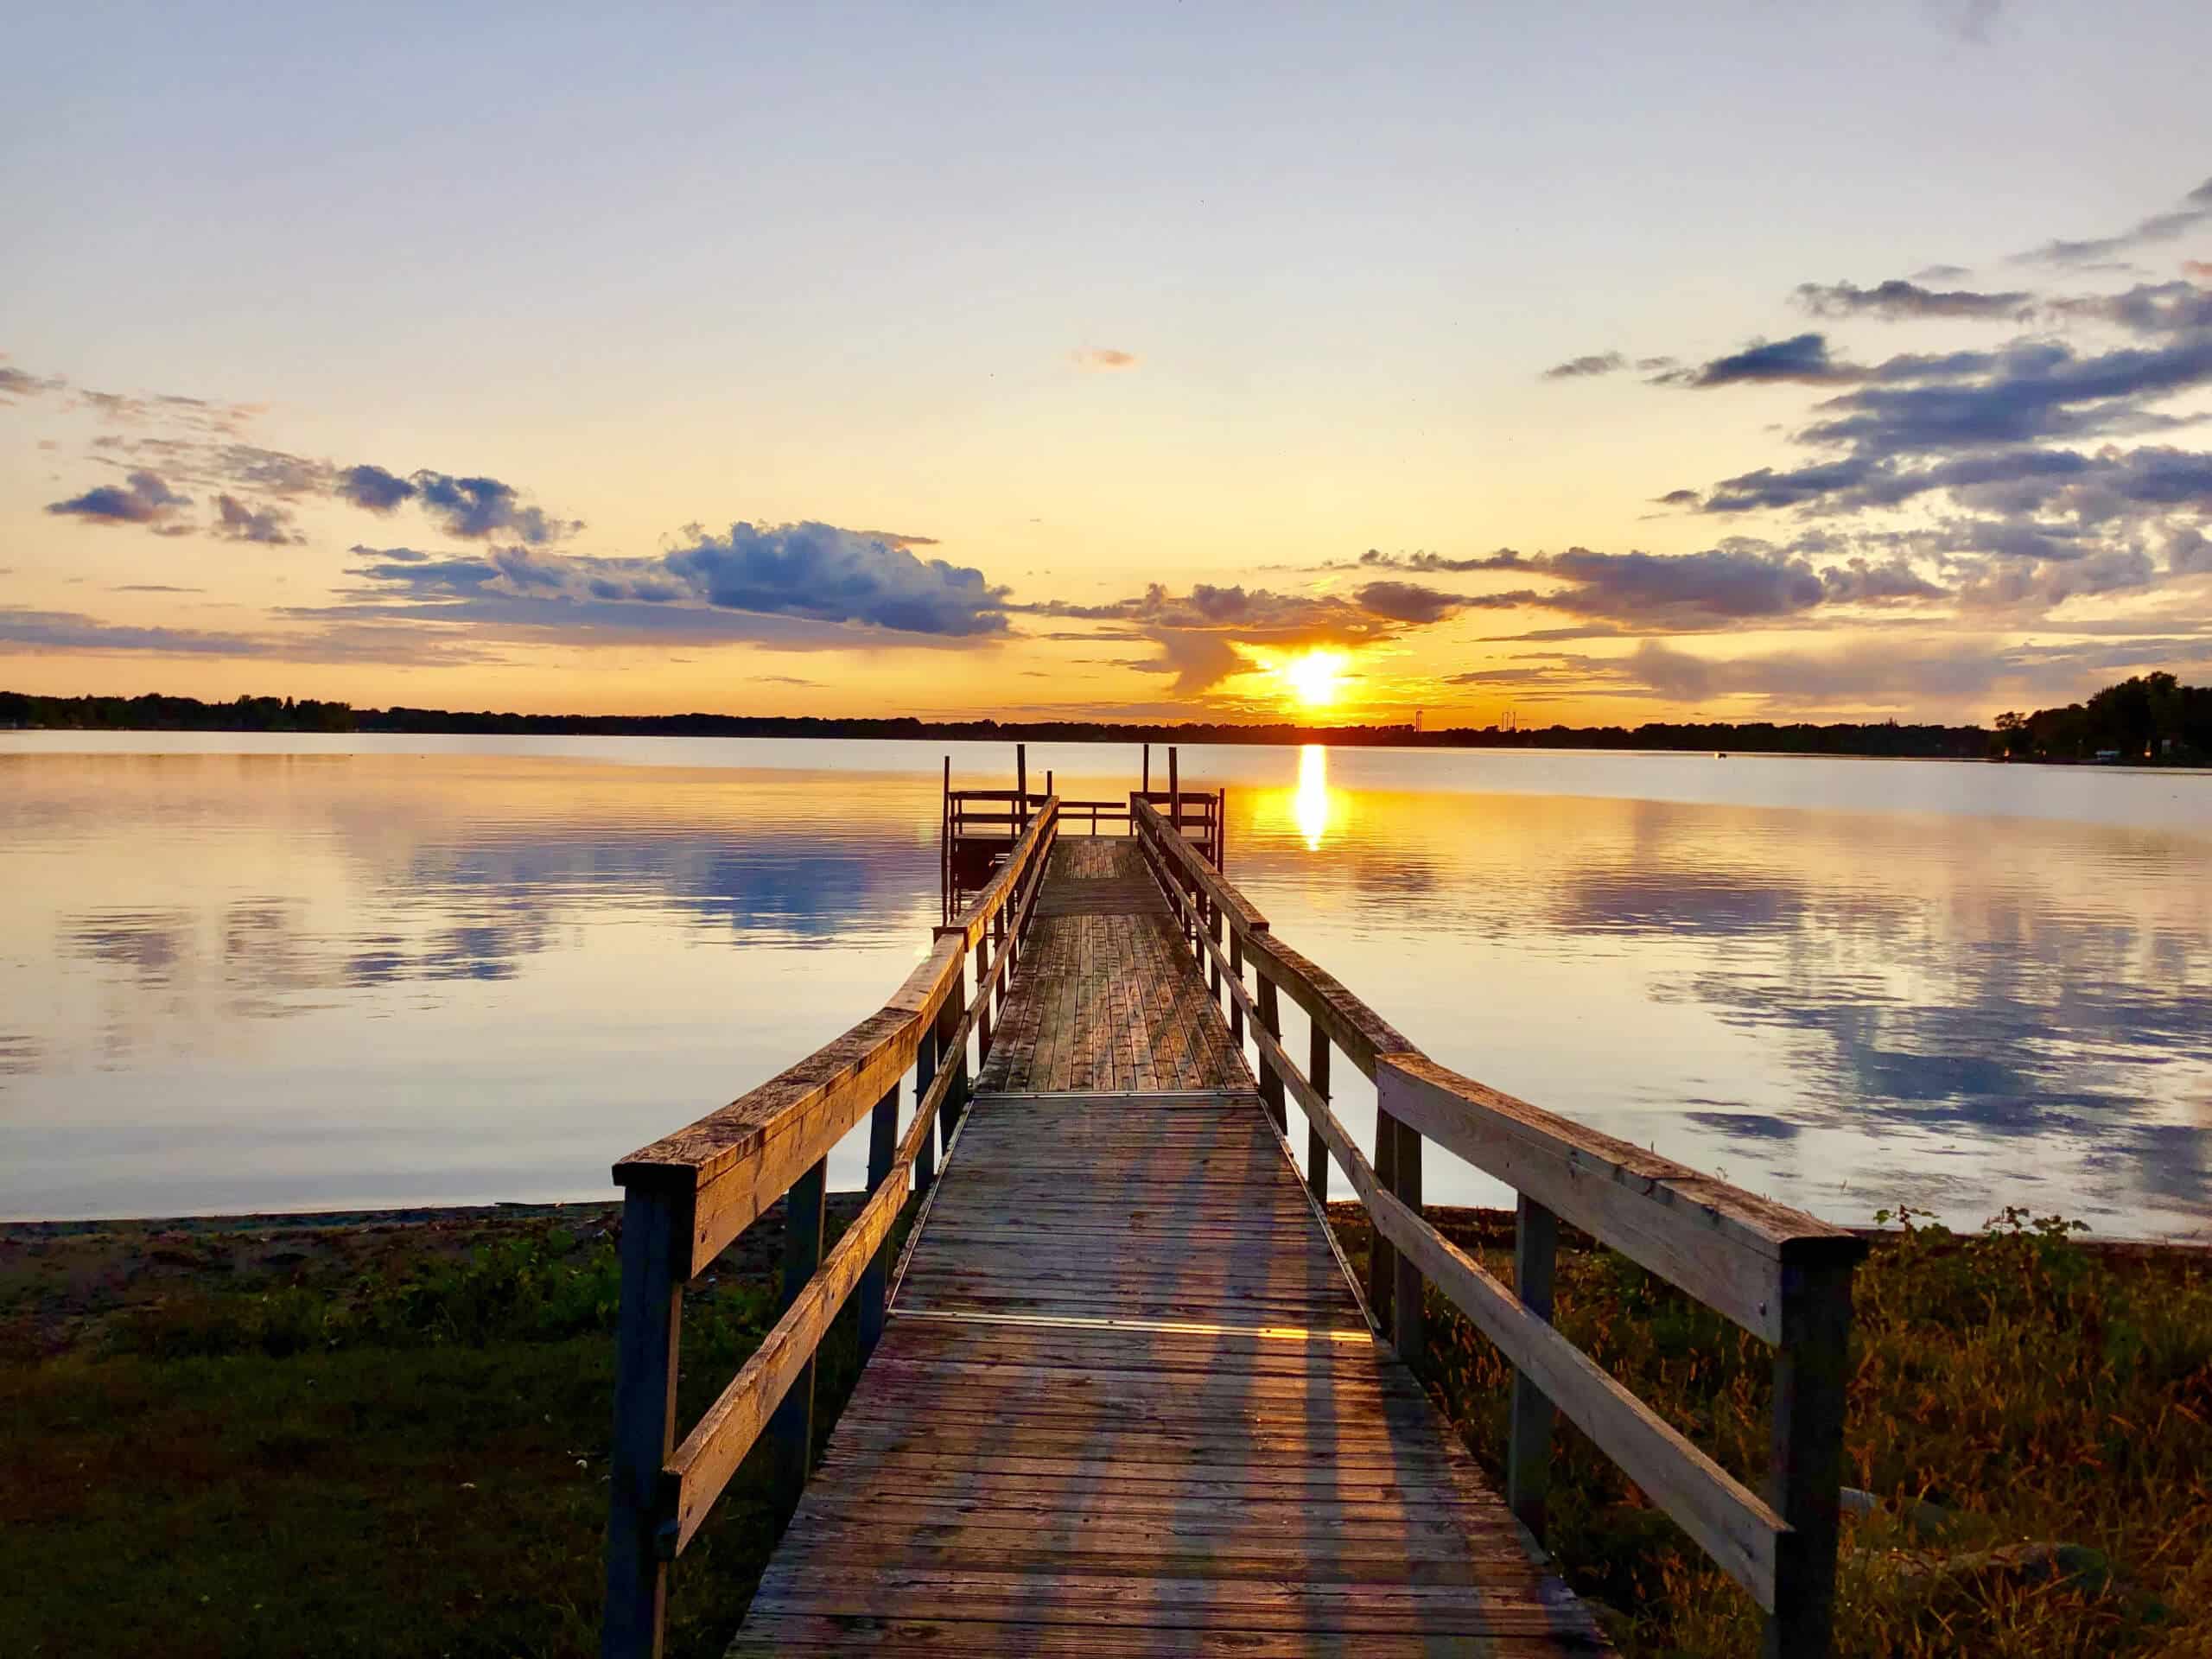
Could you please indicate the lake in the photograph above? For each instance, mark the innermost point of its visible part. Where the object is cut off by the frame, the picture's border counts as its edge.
(240, 972)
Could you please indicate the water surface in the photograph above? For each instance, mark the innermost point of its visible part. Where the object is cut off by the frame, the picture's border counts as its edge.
(248, 972)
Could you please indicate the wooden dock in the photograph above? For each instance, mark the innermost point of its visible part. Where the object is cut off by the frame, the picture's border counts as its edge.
(1121, 1395)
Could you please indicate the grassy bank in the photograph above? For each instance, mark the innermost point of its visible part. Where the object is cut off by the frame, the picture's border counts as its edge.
(390, 1439)
(2030, 1418)
(385, 1439)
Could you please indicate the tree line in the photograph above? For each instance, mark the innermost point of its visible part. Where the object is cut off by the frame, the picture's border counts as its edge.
(2151, 717)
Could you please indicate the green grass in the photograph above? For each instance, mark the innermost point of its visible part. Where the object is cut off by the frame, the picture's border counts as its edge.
(410, 1462)
(2010, 1387)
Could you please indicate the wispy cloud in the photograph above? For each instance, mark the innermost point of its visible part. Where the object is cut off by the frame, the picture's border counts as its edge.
(1105, 359)
(1900, 300)
(2194, 211)
(145, 498)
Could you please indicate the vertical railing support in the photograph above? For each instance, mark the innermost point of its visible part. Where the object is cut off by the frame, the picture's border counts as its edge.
(924, 1075)
(1236, 972)
(1270, 1081)
(982, 981)
(1213, 963)
(791, 1429)
(1811, 1377)
(875, 1278)
(1382, 1254)
(655, 1251)
(1407, 1334)
(1317, 1149)
(1528, 1441)
(948, 1022)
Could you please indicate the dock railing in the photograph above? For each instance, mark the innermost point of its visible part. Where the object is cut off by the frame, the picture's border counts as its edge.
(1783, 1275)
(687, 1196)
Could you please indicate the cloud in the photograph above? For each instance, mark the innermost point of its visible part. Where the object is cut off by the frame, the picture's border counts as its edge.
(2197, 270)
(474, 508)
(15, 383)
(144, 499)
(1104, 360)
(235, 521)
(1576, 368)
(1407, 601)
(1898, 300)
(2146, 309)
(2196, 209)
(1676, 499)
(374, 488)
(798, 585)
(1970, 21)
(1801, 358)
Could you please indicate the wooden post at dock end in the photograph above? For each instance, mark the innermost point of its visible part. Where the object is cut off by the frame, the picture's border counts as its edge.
(790, 1430)
(1805, 1463)
(1528, 1441)
(875, 1278)
(1148, 768)
(947, 834)
(1048, 781)
(1220, 828)
(1021, 789)
(1174, 797)
(656, 1238)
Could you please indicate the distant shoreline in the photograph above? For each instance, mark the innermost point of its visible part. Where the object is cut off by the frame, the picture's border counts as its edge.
(2156, 722)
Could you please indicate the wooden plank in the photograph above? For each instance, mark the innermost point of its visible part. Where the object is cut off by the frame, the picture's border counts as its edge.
(1724, 1246)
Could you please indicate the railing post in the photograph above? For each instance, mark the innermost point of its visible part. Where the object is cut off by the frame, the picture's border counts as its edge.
(1236, 971)
(924, 1075)
(1382, 1254)
(656, 1243)
(948, 1022)
(1021, 789)
(1317, 1149)
(1529, 1443)
(1406, 1332)
(875, 1278)
(1270, 1082)
(792, 1429)
(982, 982)
(1811, 1374)
(1213, 963)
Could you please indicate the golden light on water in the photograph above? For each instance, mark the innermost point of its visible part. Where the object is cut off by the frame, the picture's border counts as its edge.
(1315, 677)
(1310, 805)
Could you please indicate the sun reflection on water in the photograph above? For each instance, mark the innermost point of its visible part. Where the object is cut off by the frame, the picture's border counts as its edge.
(1310, 805)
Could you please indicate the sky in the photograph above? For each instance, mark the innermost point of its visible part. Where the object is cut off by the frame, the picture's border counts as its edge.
(1594, 365)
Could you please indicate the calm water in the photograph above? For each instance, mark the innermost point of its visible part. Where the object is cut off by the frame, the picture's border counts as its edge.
(244, 973)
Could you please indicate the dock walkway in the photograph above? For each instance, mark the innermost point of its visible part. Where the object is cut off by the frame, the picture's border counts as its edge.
(1119, 1396)
(1127, 1400)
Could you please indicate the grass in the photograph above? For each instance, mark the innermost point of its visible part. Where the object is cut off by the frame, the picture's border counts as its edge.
(2011, 1389)
(408, 1458)
(393, 1442)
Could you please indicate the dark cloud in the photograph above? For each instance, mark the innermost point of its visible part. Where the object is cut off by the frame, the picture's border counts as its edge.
(235, 521)
(144, 499)
(1802, 358)
(476, 508)
(1576, 368)
(1408, 603)
(2146, 309)
(821, 581)
(1898, 299)
(1676, 499)
(374, 488)
(2195, 210)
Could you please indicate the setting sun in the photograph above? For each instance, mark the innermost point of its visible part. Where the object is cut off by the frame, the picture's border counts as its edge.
(1315, 677)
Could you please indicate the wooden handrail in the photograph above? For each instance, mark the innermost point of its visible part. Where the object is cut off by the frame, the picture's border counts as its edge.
(689, 1194)
(1780, 1273)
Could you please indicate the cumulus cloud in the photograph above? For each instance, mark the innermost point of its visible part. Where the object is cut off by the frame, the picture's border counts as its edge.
(374, 488)
(1802, 358)
(474, 508)
(1898, 300)
(144, 499)
(235, 521)
(1105, 359)
(817, 581)
(2194, 211)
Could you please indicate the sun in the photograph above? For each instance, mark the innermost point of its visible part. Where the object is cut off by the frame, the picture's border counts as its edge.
(1315, 677)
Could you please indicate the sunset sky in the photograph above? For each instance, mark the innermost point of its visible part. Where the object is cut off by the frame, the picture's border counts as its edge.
(1594, 364)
